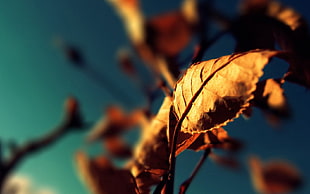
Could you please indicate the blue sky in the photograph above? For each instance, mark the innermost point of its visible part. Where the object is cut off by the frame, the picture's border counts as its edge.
(35, 79)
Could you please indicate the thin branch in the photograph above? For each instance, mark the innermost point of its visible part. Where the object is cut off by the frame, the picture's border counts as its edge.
(204, 45)
(106, 84)
(72, 120)
(184, 186)
(1, 153)
(76, 58)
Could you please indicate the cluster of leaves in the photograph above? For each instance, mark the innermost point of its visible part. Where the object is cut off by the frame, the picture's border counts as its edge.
(202, 100)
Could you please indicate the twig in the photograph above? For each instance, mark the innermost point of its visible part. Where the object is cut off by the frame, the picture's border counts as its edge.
(184, 186)
(72, 120)
(204, 45)
(1, 153)
(116, 93)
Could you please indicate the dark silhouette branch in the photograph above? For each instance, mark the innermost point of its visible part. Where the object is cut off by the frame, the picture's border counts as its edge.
(184, 186)
(77, 60)
(72, 120)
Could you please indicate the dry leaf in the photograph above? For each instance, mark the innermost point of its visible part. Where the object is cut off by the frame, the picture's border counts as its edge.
(274, 177)
(132, 16)
(216, 138)
(270, 97)
(284, 14)
(210, 139)
(283, 25)
(159, 39)
(217, 91)
(226, 161)
(298, 43)
(199, 143)
(168, 33)
(114, 122)
(116, 147)
(256, 28)
(102, 177)
(145, 179)
(151, 154)
(152, 151)
(184, 140)
(190, 11)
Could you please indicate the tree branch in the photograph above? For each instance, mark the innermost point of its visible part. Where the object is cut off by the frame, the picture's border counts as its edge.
(184, 186)
(71, 120)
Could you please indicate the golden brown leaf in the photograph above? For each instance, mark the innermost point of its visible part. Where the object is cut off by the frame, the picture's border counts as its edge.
(285, 14)
(270, 97)
(144, 179)
(215, 138)
(151, 155)
(184, 140)
(116, 147)
(226, 161)
(159, 39)
(217, 91)
(168, 33)
(102, 177)
(152, 151)
(114, 122)
(210, 139)
(132, 16)
(190, 11)
(274, 177)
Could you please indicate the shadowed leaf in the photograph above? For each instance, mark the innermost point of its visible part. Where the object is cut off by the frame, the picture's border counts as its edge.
(116, 147)
(216, 138)
(151, 154)
(115, 121)
(168, 33)
(102, 177)
(274, 177)
(269, 96)
(226, 161)
(283, 25)
(298, 43)
(152, 150)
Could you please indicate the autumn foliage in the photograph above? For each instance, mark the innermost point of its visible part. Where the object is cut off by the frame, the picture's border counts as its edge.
(201, 96)
(204, 97)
